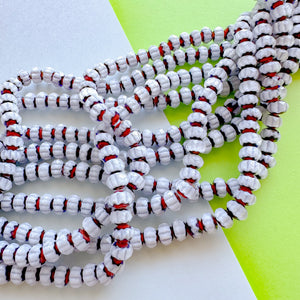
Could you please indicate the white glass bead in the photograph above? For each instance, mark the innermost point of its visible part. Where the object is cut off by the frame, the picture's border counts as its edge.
(187, 190)
(75, 278)
(164, 234)
(208, 223)
(171, 201)
(150, 237)
(162, 185)
(192, 223)
(237, 210)
(142, 207)
(223, 218)
(49, 251)
(136, 239)
(34, 255)
(62, 242)
(156, 205)
(45, 275)
(246, 197)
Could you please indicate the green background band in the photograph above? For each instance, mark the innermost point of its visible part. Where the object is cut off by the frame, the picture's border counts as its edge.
(267, 243)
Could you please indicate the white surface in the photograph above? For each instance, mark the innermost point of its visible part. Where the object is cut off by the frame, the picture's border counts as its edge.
(72, 36)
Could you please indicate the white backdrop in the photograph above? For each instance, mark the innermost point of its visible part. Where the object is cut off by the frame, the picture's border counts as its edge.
(71, 36)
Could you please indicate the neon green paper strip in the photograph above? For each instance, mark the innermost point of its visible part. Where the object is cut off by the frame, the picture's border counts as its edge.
(267, 243)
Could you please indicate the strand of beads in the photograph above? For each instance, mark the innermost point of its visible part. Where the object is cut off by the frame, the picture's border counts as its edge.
(123, 233)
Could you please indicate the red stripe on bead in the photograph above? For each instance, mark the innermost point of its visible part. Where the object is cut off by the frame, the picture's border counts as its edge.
(37, 204)
(271, 74)
(115, 119)
(247, 106)
(120, 206)
(116, 261)
(261, 21)
(85, 235)
(240, 202)
(161, 51)
(87, 78)
(228, 190)
(122, 243)
(190, 180)
(42, 257)
(212, 88)
(244, 40)
(10, 122)
(52, 274)
(181, 41)
(266, 60)
(108, 273)
(72, 173)
(14, 232)
(97, 222)
(181, 194)
(108, 88)
(248, 174)
(202, 35)
(178, 197)
(200, 225)
(226, 31)
(1, 252)
(28, 234)
(213, 35)
(100, 116)
(251, 118)
(188, 230)
(100, 145)
(12, 147)
(248, 130)
(125, 132)
(264, 164)
(56, 249)
(63, 133)
(123, 226)
(148, 89)
(40, 133)
(6, 91)
(203, 99)
(154, 185)
(42, 236)
(163, 204)
(213, 187)
(65, 205)
(276, 4)
(136, 97)
(53, 133)
(196, 124)
(149, 208)
(142, 238)
(109, 157)
(12, 133)
(131, 186)
(245, 189)
(69, 239)
(199, 111)
(273, 100)
(248, 158)
(170, 45)
(67, 277)
(157, 156)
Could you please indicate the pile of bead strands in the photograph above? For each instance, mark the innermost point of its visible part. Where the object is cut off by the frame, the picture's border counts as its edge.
(255, 58)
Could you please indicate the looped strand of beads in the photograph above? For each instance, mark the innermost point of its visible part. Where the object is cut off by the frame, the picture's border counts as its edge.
(255, 58)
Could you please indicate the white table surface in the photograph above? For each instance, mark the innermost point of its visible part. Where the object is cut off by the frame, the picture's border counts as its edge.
(71, 36)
